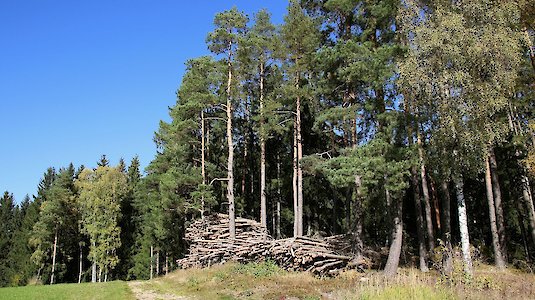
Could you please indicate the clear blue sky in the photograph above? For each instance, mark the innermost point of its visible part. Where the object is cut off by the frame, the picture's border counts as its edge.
(83, 78)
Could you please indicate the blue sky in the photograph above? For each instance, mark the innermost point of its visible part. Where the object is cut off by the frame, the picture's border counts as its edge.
(83, 78)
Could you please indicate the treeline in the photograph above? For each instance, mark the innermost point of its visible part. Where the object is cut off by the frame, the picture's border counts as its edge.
(407, 124)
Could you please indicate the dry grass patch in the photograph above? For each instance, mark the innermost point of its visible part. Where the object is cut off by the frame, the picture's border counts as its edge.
(267, 281)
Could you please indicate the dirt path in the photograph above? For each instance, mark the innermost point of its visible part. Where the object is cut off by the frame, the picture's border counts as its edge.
(143, 293)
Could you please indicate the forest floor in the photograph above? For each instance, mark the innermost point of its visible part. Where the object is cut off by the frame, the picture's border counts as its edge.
(266, 281)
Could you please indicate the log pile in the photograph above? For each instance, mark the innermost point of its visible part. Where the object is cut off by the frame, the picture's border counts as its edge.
(209, 244)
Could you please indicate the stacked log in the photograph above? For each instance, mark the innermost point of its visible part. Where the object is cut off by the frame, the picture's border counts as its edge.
(209, 244)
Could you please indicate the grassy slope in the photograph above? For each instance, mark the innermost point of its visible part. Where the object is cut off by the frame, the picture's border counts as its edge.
(85, 291)
(264, 281)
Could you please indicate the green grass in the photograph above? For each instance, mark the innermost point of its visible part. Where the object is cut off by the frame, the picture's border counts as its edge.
(117, 290)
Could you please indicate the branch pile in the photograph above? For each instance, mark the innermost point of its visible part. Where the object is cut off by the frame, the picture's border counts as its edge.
(209, 244)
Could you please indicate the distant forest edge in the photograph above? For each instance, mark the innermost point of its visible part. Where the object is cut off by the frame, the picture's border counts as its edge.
(408, 124)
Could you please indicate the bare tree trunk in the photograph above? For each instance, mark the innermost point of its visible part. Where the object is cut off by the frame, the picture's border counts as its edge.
(419, 221)
(157, 262)
(94, 268)
(203, 171)
(434, 197)
(394, 253)
(81, 264)
(263, 210)
(447, 263)
(100, 274)
(526, 196)
(230, 161)
(166, 263)
(359, 245)
(279, 195)
(299, 168)
(294, 181)
(425, 190)
(463, 224)
(106, 276)
(498, 258)
(500, 220)
(151, 261)
(54, 255)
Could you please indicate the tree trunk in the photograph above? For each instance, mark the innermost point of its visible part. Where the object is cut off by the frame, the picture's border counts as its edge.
(526, 196)
(230, 161)
(94, 268)
(436, 207)
(463, 224)
(166, 263)
(498, 258)
(497, 191)
(447, 263)
(394, 253)
(151, 261)
(294, 181)
(157, 262)
(54, 255)
(425, 190)
(279, 196)
(263, 210)
(203, 171)
(299, 169)
(359, 245)
(81, 264)
(419, 221)
(100, 274)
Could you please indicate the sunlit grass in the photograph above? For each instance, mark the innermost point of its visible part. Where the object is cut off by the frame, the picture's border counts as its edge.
(84, 291)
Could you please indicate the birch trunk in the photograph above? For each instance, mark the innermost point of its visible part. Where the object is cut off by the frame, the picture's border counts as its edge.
(299, 169)
(359, 245)
(230, 161)
(157, 262)
(263, 210)
(94, 268)
(151, 261)
(498, 258)
(81, 264)
(463, 225)
(54, 255)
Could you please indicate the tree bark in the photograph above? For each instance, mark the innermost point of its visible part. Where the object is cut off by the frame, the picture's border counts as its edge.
(498, 258)
(299, 169)
(394, 253)
(294, 181)
(81, 264)
(279, 195)
(526, 196)
(463, 224)
(54, 255)
(94, 268)
(263, 210)
(157, 262)
(203, 171)
(425, 190)
(151, 261)
(359, 245)
(166, 263)
(447, 263)
(230, 161)
(500, 220)
(419, 221)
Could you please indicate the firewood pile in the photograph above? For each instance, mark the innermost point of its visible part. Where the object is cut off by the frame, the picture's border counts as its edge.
(209, 244)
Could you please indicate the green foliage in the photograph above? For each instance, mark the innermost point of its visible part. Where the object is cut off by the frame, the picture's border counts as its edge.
(99, 201)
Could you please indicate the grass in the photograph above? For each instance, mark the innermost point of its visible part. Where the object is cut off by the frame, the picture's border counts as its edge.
(85, 291)
(267, 281)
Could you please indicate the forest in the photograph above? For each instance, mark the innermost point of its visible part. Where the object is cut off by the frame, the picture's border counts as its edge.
(407, 124)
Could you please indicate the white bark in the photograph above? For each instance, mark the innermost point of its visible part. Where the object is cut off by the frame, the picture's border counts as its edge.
(463, 224)
(54, 255)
